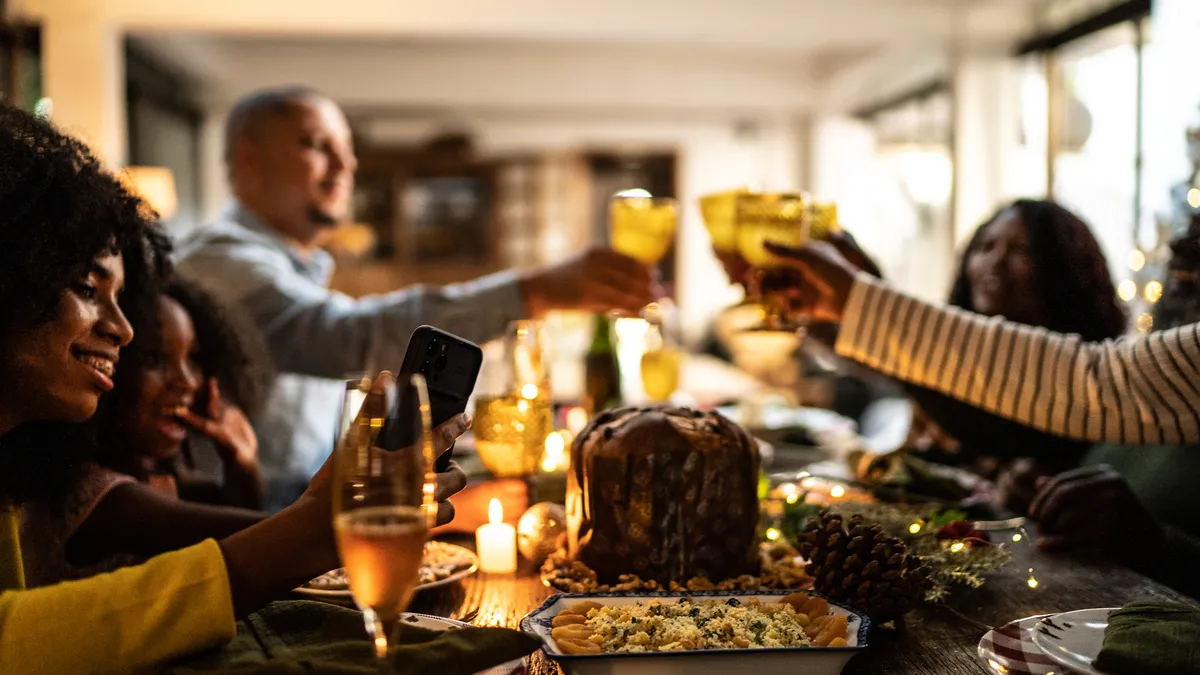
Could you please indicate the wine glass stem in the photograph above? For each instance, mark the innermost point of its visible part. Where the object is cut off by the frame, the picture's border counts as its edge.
(379, 636)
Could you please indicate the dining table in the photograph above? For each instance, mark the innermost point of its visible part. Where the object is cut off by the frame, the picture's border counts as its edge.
(938, 639)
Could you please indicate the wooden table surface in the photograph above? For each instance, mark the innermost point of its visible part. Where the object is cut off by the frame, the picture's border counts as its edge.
(937, 641)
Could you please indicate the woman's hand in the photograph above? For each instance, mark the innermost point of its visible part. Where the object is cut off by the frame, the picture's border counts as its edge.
(850, 250)
(828, 277)
(229, 429)
(1093, 507)
(449, 482)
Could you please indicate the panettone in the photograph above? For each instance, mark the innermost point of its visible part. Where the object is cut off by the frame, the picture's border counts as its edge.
(664, 493)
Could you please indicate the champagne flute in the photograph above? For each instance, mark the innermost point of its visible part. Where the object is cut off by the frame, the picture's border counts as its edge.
(384, 498)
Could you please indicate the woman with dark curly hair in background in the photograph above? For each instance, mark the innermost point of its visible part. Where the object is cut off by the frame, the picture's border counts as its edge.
(79, 263)
(1033, 262)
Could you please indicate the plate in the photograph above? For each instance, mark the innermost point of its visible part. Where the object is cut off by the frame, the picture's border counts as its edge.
(782, 661)
(1073, 639)
(440, 624)
(438, 550)
(1009, 650)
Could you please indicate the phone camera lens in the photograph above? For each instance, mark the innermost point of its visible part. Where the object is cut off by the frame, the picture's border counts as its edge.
(432, 347)
(440, 364)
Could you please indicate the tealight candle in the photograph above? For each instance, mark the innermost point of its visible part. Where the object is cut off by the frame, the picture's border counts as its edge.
(496, 542)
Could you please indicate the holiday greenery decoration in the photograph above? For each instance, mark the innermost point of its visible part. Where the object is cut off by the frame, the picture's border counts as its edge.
(944, 542)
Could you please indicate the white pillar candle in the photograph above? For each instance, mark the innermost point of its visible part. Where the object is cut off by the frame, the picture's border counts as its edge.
(496, 542)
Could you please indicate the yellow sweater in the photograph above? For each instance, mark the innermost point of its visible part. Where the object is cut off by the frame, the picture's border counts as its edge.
(128, 620)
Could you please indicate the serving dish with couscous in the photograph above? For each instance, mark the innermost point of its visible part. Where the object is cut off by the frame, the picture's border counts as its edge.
(701, 632)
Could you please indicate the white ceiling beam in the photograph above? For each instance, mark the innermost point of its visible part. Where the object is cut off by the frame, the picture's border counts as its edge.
(515, 77)
(764, 24)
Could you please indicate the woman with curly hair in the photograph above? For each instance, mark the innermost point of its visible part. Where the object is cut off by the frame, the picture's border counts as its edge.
(80, 263)
(1032, 262)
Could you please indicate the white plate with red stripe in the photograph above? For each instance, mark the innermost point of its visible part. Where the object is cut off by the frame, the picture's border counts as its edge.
(1009, 650)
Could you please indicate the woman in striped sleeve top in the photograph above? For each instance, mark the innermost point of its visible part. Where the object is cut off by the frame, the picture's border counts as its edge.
(1142, 390)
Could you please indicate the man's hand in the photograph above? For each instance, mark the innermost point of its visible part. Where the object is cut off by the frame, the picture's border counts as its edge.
(827, 279)
(596, 280)
(1093, 507)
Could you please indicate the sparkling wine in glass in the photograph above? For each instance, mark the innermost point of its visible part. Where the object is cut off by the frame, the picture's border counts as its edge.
(383, 501)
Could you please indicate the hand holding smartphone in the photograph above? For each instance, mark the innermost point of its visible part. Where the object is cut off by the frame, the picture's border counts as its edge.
(450, 366)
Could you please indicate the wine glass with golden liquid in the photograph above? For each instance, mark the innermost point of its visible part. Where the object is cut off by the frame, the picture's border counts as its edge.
(513, 409)
(384, 498)
(662, 360)
(643, 228)
(778, 218)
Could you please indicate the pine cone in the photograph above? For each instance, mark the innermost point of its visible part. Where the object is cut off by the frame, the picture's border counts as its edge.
(862, 566)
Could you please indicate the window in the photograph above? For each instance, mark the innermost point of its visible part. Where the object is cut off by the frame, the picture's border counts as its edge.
(1096, 150)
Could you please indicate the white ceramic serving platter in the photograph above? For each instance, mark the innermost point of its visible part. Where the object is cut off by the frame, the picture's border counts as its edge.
(806, 660)
(1073, 639)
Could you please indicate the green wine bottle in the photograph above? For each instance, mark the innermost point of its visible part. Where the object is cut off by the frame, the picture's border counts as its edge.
(603, 388)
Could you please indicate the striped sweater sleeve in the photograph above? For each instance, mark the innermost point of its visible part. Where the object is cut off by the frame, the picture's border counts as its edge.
(1143, 390)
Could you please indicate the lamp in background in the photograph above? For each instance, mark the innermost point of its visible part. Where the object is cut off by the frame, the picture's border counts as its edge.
(156, 186)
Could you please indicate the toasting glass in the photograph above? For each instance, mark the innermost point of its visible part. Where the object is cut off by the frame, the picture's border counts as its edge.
(778, 218)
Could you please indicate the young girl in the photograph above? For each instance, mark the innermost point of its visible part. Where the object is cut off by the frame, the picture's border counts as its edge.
(203, 370)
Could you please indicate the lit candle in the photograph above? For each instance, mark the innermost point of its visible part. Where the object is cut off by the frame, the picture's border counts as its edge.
(496, 542)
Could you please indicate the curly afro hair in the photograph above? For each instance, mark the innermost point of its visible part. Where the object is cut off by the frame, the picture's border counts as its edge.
(1071, 272)
(59, 211)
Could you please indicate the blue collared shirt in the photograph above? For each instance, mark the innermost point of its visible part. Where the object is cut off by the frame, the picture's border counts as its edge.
(319, 337)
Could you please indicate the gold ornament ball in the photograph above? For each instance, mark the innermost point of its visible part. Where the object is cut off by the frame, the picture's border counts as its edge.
(539, 529)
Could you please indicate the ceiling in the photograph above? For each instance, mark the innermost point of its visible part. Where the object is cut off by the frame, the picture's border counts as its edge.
(768, 55)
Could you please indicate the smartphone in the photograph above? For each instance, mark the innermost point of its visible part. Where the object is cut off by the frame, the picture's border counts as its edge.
(450, 365)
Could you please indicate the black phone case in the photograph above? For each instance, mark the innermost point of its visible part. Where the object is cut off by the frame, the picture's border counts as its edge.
(450, 365)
